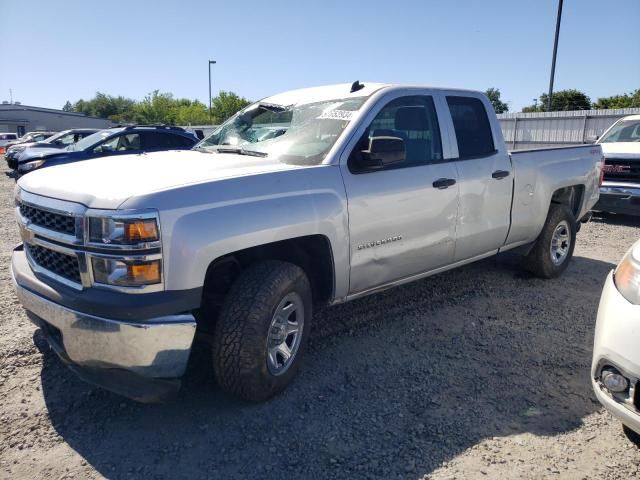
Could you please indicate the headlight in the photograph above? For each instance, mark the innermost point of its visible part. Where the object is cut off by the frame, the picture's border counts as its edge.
(28, 166)
(126, 273)
(627, 275)
(123, 231)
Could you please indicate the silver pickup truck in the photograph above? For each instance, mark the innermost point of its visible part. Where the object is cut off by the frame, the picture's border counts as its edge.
(310, 197)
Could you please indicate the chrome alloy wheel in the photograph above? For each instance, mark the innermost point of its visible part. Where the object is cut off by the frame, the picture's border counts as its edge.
(560, 243)
(285, 333)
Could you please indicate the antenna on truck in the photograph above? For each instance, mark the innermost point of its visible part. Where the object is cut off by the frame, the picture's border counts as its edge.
(355, 86)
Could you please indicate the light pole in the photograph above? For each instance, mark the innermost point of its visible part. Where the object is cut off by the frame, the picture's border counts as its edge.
(555, 51)
(211, 62)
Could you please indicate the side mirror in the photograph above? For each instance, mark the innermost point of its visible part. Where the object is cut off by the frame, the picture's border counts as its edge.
(591, 138)
(383, 151)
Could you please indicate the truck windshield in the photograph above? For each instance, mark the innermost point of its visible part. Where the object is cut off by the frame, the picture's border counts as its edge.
(624, 131)
(299, 134)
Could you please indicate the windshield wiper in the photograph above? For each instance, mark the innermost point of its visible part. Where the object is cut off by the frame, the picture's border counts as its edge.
(241, 151)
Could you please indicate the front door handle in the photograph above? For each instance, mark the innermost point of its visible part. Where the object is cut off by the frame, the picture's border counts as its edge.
(443, 183)
(500, 174)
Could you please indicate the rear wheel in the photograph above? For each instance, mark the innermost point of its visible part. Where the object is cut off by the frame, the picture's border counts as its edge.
(553, 249)
(262, 330)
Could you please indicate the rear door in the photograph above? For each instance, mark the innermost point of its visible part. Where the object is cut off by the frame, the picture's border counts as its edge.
(155, 141)
(402, 217)
(485, 178)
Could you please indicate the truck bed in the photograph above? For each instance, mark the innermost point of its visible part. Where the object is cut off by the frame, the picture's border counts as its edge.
(540, 172)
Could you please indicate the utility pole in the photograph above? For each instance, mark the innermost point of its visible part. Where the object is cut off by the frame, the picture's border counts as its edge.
(211, 62)
(555, 51)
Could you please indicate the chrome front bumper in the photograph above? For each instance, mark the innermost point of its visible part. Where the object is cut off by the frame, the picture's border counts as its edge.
(619, 198)
(115, 354)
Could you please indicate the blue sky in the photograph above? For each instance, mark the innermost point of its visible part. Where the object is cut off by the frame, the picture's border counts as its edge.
(58, 51)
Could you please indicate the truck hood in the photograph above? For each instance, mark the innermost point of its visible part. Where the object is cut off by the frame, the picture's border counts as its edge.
(107, 182)
(37, 153)
(621, 150)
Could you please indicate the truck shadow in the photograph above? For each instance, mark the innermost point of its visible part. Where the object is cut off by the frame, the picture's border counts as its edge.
(394, 385)
(615, 219)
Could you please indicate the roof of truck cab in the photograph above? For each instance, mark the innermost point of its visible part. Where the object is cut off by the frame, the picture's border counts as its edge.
(342, 91)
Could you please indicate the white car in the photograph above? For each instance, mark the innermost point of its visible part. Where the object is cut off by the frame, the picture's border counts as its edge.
(615, 371)
(6, 138)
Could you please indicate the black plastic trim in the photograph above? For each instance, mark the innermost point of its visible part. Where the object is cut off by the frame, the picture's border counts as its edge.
(475, 157)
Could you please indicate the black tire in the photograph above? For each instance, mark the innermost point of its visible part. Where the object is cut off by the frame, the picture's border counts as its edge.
(539, 261)
(634, 437)
(242, 329)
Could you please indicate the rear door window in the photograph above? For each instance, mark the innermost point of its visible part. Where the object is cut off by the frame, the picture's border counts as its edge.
(472, 127)
(120, 143)
(165, 141)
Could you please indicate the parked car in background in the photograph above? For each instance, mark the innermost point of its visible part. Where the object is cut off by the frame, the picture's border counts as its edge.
(310, 197)
(620, 191)
(615, 372)
(59, 140)
(110, 142)
(36, 136)
(6, 138)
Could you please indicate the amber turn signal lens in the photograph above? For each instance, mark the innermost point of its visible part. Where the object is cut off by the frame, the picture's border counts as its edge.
(141, 231)
(144, 273)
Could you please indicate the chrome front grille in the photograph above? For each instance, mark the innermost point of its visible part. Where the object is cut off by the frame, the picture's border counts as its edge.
(50, 220)
(61, 264)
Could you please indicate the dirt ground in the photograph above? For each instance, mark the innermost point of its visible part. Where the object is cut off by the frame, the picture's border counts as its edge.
(481, 372)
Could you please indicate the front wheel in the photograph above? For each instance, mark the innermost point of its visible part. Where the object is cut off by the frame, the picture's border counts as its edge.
(262, 330)
(553, 249)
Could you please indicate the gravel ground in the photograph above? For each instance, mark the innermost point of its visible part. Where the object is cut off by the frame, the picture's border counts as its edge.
(482, 372)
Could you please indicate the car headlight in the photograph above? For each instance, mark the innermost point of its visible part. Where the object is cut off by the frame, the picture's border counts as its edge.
(28, 166)
(126, 273)
(627, 275)
(123, 231)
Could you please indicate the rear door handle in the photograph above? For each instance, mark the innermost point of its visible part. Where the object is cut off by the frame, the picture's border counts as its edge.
(500, 174)
(443, 183)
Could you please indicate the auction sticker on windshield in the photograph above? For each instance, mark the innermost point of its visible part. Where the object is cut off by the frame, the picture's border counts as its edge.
(336, 115)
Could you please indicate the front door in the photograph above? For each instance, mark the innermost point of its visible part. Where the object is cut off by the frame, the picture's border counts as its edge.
(401, 217)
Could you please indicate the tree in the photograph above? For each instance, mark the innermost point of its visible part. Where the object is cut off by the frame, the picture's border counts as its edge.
(67, 107)
(106, 106)
(626, 100)
(494, 97)
(194, 113)
(158, 107)
(155, 108)
(225, 105)
(562, 100)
